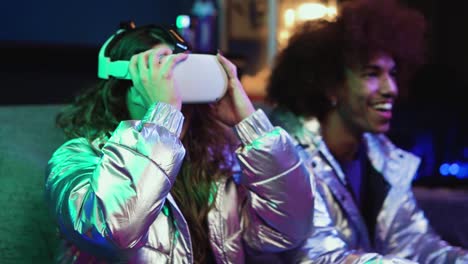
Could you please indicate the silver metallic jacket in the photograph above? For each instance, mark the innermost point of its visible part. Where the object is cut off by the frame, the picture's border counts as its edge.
(113, 204)
(340, 235)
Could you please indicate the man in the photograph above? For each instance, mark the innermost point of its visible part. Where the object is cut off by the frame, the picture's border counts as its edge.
(335, 85)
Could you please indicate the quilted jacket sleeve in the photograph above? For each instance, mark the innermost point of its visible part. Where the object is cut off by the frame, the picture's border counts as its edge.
(278, 213)
(108, 198)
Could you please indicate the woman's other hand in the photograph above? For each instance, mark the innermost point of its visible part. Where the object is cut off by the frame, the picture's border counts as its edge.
(235, 105)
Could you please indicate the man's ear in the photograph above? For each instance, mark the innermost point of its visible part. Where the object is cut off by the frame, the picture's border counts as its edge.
(332, 96)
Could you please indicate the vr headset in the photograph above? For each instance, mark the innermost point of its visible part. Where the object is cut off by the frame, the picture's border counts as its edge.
(201, 78)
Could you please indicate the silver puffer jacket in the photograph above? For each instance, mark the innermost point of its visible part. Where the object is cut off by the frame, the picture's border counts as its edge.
(113, 204)
(340, 235)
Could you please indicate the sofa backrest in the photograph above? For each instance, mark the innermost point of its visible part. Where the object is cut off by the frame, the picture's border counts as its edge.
(28, 137)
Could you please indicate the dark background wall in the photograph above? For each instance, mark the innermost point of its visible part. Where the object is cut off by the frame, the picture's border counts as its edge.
(433, 121)
(84, 22)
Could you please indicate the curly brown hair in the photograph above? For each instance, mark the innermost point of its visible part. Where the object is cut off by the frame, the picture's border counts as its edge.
(312, 64)
(99, 109)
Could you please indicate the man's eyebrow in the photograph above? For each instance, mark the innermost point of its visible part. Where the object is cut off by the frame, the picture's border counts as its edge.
(372, 67)
(375, 67)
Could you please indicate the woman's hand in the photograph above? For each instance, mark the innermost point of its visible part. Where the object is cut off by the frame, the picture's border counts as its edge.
(151, 73)
(235, 105)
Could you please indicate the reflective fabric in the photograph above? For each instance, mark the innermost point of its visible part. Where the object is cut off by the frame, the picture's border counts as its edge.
(340, 235)
(112, 200)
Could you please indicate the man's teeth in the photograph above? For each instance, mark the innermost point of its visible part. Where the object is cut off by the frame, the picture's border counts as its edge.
(383, 107)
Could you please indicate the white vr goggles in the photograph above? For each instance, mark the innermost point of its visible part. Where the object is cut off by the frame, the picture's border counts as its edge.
(201, 78)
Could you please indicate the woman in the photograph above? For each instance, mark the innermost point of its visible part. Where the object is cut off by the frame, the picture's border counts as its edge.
(165, 187)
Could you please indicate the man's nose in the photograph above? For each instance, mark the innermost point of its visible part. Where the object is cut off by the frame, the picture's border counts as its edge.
(388, 86)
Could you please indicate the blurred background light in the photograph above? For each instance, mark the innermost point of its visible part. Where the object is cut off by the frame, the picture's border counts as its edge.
(444, 169)
(183, 21)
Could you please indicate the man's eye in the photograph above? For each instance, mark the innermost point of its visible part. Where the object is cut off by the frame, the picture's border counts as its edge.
(371, 74)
